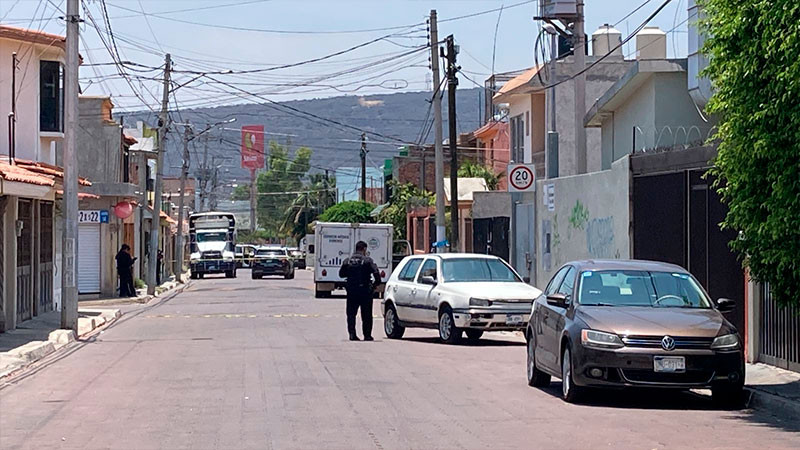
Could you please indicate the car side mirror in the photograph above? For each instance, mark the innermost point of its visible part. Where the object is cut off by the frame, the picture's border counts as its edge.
(558, 299)
(726, 305)
(427, 279)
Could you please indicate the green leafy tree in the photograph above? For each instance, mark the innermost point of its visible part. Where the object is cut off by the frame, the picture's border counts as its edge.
(318, 195)
(349, 212)
(754, 52)
(241, 192)
(278, 185)
(404, 196)
(470, 169)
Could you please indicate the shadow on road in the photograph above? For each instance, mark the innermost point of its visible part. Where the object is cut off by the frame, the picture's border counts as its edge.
(467, 343)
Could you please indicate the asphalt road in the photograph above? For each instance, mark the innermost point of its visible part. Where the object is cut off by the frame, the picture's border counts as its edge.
(235, 364)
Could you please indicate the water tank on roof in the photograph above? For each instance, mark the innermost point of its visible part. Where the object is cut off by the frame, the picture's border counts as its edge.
(699, 87)
(558, 9)
(605, 39)
(651, 43)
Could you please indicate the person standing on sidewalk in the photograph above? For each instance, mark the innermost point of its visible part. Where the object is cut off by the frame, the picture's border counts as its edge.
(362, 276)
(125, 271)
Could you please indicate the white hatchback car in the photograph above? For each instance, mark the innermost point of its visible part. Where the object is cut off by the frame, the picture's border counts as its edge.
(456, 292)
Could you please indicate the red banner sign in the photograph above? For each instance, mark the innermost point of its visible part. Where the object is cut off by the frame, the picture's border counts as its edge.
(253, 147)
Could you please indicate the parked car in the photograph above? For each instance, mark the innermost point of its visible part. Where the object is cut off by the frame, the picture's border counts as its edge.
(272, 260)
(632, 323)
(456, 293)
(243, 254)
(298, 257)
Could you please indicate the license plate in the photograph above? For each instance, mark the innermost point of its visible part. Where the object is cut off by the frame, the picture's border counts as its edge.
(669, 363)
(513, 319)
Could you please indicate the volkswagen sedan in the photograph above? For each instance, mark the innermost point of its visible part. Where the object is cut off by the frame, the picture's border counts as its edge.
(620, 324)
(456, 293)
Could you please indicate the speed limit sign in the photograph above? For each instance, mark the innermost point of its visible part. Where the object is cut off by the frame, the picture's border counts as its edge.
(521, 178)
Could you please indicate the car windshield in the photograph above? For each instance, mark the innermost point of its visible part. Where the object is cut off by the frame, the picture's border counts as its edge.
(271, 252)
(477, 269)
(216, 236)
(641, 288)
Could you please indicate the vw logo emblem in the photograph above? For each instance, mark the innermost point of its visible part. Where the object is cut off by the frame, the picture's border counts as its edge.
(668, 343)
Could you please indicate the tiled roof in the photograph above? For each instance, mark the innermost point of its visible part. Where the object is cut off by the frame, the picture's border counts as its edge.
(166, 217)
(47, 169)
(19, 174)
(81, 195)
(518, 81)
(33, 36)
(130, 140)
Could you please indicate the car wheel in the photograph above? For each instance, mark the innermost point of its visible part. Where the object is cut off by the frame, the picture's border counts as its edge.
(200, 275)
(289, 276)
(255, 276)
(536, 377)
(474, 335)
(391, 324)
(569, 391)
(728, 395)
(448, 331)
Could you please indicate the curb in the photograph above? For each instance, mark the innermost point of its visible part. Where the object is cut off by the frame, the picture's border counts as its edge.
(774, 404)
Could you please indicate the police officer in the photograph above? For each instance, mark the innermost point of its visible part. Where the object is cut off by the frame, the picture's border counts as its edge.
(360, 270)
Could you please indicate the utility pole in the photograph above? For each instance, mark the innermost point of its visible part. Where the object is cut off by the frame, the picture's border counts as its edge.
(579, 52)
(363, 167)
(551, 154)
(253, 199)
(155, 223)
(181, 203)
(69, 288)
(452, 83)
(437, 132)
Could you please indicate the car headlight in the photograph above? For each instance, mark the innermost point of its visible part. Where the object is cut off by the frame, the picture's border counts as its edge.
(479, 302)
(725, 342)
(194, 256)
(592, 338)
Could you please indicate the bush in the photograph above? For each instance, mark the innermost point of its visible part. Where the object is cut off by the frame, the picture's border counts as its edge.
(349, 212)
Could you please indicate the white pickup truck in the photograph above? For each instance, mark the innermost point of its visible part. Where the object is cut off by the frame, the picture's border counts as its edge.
(335, 242)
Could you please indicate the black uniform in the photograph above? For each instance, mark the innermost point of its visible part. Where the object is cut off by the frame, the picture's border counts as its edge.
(125, 271)
(359, 270)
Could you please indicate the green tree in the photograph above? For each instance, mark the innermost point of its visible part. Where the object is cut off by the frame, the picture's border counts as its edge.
(241, 192)
(470, 169)
(754, 52)
(349, 212)
(278, 185)
(403, 197)
(318, 195)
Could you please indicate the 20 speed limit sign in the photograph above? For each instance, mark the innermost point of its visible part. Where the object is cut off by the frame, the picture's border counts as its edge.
(521, 178)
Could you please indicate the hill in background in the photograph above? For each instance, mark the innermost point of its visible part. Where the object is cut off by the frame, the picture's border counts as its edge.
(400, 115)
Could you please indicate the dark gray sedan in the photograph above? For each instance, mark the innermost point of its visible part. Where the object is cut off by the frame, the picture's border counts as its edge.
(614, 324)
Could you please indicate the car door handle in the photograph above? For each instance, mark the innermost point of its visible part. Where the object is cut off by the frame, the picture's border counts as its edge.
(413, 292)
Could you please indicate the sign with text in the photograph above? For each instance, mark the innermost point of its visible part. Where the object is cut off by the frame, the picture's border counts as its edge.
(93, 216)
(253, 147)
(521, 178)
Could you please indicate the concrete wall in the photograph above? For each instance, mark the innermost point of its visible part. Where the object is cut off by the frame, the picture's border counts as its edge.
(590, 219)
(663, 114)
(639, 111)
(99, 143)
(30, 143)
(491, 204)
(598, 80)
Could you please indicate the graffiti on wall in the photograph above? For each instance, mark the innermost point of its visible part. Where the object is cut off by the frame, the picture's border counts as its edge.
(600, 238)
(577, 218)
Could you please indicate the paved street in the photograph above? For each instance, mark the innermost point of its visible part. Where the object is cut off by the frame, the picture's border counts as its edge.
(232, 364)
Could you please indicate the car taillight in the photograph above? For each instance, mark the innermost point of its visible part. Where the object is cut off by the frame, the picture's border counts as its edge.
(324, 273)
(383, 274)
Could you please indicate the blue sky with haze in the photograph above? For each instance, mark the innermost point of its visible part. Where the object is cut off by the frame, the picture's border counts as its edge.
(207, 47)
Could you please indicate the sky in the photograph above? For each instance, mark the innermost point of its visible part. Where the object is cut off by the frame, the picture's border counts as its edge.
(260, 34)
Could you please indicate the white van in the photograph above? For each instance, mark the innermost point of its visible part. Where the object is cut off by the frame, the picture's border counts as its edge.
(335, 242)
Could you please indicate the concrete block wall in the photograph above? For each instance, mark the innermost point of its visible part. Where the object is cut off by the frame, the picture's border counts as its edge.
(590, 219)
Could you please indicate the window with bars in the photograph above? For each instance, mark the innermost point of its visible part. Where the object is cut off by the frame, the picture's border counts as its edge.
(518, 138)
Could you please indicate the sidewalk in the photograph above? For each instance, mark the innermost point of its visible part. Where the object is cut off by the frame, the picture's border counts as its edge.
(774, 389)
(41, 336)
(36, 338)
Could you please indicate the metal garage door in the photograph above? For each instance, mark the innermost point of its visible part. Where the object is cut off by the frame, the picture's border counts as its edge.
(89, 258)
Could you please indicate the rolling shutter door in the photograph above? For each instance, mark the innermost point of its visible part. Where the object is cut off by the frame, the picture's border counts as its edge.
(89, 258)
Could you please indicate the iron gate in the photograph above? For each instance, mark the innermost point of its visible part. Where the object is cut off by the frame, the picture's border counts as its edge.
(25, 261)
(779, 333)
(45, 257)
